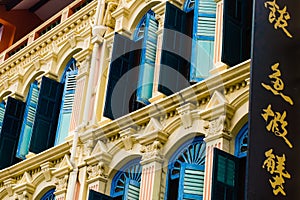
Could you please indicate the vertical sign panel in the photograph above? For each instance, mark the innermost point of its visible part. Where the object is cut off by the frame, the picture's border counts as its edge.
(274, 139)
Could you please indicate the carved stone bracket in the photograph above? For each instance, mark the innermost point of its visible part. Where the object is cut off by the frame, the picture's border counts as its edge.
(98, 32)
(46, 170)
(217, 115)
(61, 175)
(98, 162)
(152, 141)
(185, 113)
(8, 185)
(127, 138)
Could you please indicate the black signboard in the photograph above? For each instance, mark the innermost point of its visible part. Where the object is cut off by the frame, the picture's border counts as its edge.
(274, 132)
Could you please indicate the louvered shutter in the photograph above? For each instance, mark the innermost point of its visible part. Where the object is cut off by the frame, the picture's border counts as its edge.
(122, 79)
(132, 190)
(93, 195)
(148, 56)
(10, 132)
(191, 181)
(237, 24)
(225, 176)
(176, 52)
(66, 107)
(203, 39)
(46, 118)
(2, 111)
(27, 125)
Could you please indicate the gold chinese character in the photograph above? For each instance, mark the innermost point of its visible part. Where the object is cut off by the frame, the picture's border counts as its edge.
(279, 17)
(277, 168)
(277, 123)
(278, 84)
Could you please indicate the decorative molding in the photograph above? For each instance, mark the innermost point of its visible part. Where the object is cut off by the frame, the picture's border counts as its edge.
(217, 115)
(98, 162)
(185, 112)
(152, 141)
(46, 170)
(8, 185)
(61, 184)
(127, 138)
(25, 188)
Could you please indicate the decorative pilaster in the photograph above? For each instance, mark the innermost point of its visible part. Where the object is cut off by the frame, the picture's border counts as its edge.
(159, 11)
(217, 117)
(218, 64)
(97, 40)
(97, 169)
(62, 177)
(152, 142)
(83, 61)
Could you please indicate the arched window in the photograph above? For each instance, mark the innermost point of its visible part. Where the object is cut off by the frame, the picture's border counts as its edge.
(185, 179)
(126, 183)
(47, 112)
(136, 73)
(241, 142)
(49, 195)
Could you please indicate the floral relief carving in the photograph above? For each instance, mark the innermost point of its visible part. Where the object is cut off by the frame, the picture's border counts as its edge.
(152, 150)
(61, 183)
(95, 171)
(219, 125)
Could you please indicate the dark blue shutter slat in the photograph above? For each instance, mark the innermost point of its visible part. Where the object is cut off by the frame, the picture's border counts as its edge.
(47, 113)
(176, 51)
(237, 24)
(93, 195)
(225, 176)
(122, 79)
(10, 132)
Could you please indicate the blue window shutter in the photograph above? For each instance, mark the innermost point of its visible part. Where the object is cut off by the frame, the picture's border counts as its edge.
(191, 181)
(66, 107)
(46, 118)
(27, 125)
(148, 56)
(176, 52)
(93, 195)
(10, 132)
(225, 176)
(123, 77)
(2, 111)
(203, 39)
(132, 190)
(237, 24)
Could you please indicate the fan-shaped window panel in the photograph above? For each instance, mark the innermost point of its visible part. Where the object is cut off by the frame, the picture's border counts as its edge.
(49, 195)
(186, 171)
(126, 183)
(241, 142)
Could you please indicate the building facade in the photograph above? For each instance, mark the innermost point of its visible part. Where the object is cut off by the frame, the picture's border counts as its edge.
(128, 98)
